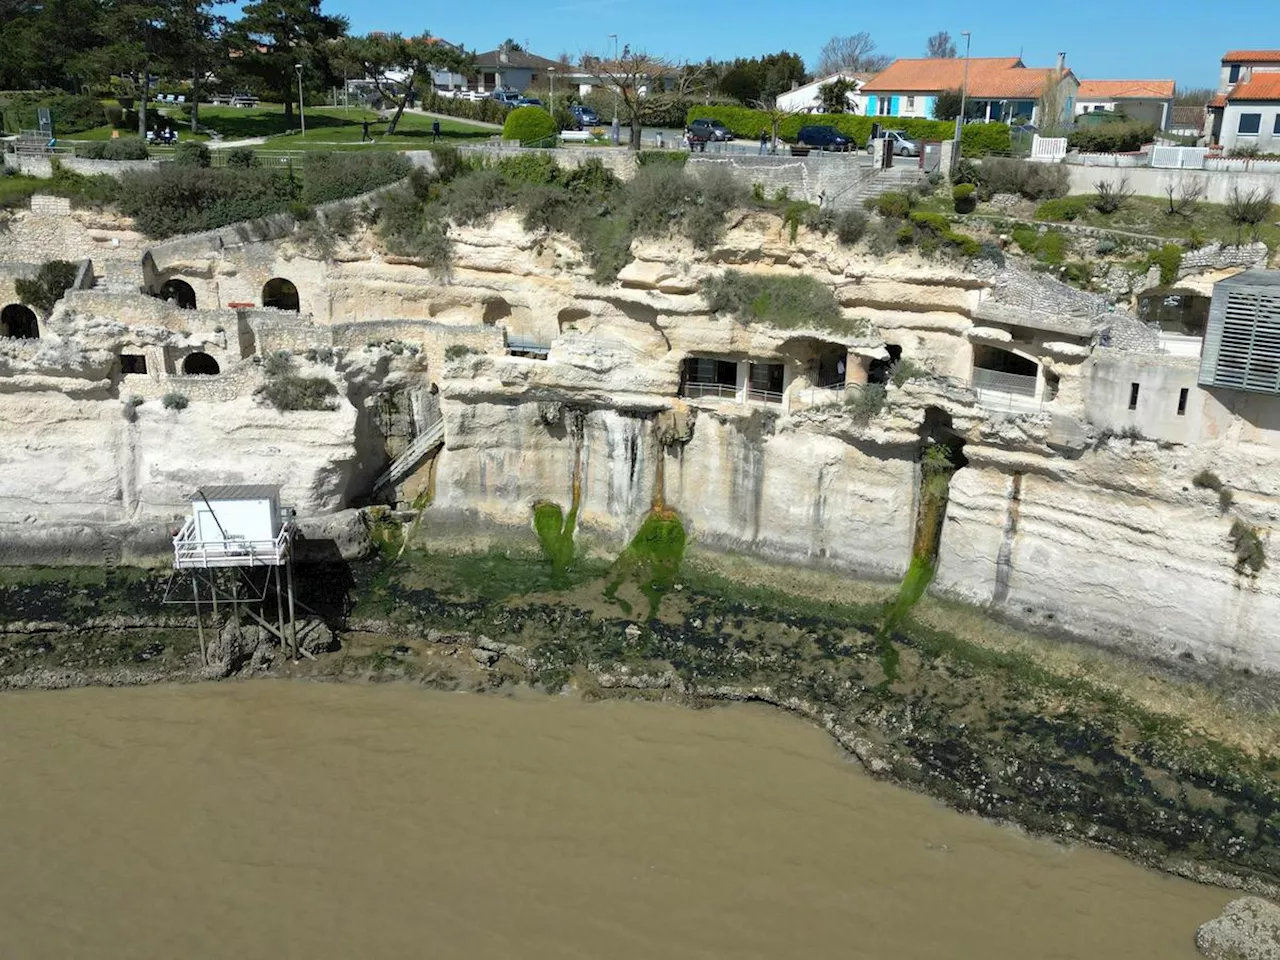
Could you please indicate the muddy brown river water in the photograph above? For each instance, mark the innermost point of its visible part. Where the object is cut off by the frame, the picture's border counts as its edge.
(279, 820)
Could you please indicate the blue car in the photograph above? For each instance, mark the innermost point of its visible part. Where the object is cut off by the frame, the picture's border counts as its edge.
(584, 116)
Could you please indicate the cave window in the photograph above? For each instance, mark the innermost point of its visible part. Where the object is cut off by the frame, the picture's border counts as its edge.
(19, 321)
(280, 294)
(1133, 396)
(1051, 383)
(133, 363)
(495, 310)
(878, 371)
(1182, 401)
(708, 377)
(766, 382)
(569, 317)
(199, 365)
(179, 293)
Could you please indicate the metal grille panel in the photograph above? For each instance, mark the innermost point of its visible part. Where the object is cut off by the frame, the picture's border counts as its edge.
(1242, 342)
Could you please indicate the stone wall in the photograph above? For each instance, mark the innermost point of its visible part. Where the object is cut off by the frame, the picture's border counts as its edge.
(43, 167)
(51, 230)
(822, 179)
(1152, 182)
(1217, 256)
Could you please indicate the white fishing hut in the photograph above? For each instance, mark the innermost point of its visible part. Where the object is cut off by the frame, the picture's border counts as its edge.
(239, 526)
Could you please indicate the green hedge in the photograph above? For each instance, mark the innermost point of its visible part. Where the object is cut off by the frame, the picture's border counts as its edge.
(123, 148)
(1111, 138)
(72, 113)
(528, 124)
(978, 139)
(339, 175)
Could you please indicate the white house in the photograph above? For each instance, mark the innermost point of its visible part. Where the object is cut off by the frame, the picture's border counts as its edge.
(1245, 114)
(1146, 101)
(999, 88)
(807, 98)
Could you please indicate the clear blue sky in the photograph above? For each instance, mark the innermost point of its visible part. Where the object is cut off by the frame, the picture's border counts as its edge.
(1103, 39)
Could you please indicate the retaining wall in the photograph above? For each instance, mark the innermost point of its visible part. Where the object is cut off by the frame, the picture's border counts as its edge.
(1152, 182)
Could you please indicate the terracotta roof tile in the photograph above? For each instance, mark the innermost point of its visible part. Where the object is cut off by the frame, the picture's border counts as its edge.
(1251, 56)
(1125, 89)
(1261, 86)
(931, 74)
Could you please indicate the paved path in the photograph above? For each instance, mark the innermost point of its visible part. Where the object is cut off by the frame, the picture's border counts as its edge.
(445, 116)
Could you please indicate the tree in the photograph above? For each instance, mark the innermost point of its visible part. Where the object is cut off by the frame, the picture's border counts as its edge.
(511, 46)
(940, 45)
(855, 54)
(835, 95)
(776, 114)
(397, 64)
(273, 35)
(193, 46)
(1052, 105)
(51, 281)
(1249, 208)
(631, 72)
(749, 80)
(133, 36)
(946, 106)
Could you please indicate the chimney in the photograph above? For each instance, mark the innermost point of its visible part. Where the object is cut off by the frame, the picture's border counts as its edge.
(1062, 61)
(795, 84)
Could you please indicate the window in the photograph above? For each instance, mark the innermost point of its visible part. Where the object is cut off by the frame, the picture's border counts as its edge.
(1276, 129)
(1133, 396)
(1250, 123)
(133, 363)
(1233, 75)
(885, 106)
(1182, 402)
(911, 104)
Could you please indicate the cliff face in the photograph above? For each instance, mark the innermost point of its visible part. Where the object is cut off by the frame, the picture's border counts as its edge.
(1053, 519)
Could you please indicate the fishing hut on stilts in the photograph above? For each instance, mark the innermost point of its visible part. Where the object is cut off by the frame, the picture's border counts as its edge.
(233, 547)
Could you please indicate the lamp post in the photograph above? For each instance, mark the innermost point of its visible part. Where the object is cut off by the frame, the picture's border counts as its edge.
(302, 110)
(964, 89)
(614, 128)
(552, 72)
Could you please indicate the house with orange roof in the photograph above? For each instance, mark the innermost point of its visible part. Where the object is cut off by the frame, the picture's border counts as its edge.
(1245, 113)
(998, 88)
(1145, 101)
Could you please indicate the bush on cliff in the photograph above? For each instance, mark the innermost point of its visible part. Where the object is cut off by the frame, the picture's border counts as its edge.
(794, 302)
(51, 281)
(173, 199)
(338, 176)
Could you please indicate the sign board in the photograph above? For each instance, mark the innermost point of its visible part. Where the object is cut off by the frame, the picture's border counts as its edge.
(46, 121)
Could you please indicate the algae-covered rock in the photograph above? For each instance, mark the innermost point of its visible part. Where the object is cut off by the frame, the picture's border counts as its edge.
(1247, 929)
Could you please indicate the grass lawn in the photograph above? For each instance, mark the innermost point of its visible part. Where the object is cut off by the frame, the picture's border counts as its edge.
(1150, 215)
(15, 189)
(329, 125)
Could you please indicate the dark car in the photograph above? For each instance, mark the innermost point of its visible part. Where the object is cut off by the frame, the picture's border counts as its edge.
(702, 130)
(528, 102)
(823, 138)
(584, 116)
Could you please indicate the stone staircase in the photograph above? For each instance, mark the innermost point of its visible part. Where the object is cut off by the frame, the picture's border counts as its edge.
(896, 178)
(117, 284)
(422, 444)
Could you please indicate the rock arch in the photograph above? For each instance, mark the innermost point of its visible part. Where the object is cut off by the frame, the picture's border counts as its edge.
(280, 294)
(200, 364)
(178, 292)
(19, 321)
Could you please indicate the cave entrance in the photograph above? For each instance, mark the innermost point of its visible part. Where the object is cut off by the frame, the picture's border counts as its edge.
(495, 310)
(200, 365)
(708, 377)
(280, 294)
(179, 293)
(133, 363)
(879, 371)
(1003, 371)
(19, 321)
(766, 382)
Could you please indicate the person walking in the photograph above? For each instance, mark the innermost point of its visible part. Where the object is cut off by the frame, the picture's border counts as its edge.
(364, 132)
(764, 141)
(435, 131)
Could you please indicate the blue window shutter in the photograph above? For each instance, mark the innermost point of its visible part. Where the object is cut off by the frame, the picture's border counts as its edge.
(893, 106)
(872, 105)
(928, 106)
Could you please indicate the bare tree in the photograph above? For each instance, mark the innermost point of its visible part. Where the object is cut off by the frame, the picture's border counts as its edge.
(1184, 194)
(1112, 196)
(631, 73)
(777, 114)
(940, 45)
(855, 54)
(565, 59)
(1249, 208)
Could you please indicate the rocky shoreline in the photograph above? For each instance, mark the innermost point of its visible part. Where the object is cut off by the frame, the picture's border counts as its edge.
(985, 732)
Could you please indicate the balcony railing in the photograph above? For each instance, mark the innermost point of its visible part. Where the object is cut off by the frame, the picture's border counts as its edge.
(188, 552)
(720, 391)
(1001, 382)
(764, 396)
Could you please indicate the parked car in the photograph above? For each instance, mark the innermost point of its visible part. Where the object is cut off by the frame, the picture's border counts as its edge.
(528, 102)
(509, 97)
(584, 117)
(824, 138)
(899, 143)
(704, 130)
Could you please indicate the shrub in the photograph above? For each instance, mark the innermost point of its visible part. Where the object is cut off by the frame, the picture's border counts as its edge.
(981, 139)
(850, 226)
(1207, 480)
(863, 402)
(1250, 555)
(1035, 181)
(478, 196)
(278, 363)
(529, 125)
(1105, 246)
(1249, 208)
(455, 351)
(1064, 209)
(1111, 197)
(292, 392)
(904, 370)
(410, 230)
(242, 158)
(675, 158)
(73, 113)
(931, 230)
(1168, 258)
(1110, 137)
(172, 199)
(338, 176)
(784, 302)
(1027, 239)
(125, 148)
(963, 199)
(51, 281)
(893, 206)
(174, 401)
(191, 153)
(530, 168)
(1052, 247)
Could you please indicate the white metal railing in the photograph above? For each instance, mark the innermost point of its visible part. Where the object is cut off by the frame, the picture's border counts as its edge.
(721, 391)
(189, 552)
(1048, 149)
(822, 396)
(764, 396)
(999, 381)
(528, 346)
(422, 444)
(1178, 158)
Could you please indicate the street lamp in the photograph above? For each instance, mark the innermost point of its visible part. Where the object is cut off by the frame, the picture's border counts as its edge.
(614, 129)
(302, 110)
(552, 72)
(964, 89)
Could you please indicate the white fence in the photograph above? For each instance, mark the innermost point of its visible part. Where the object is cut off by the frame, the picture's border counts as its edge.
(1048, 149)
(1178, 158)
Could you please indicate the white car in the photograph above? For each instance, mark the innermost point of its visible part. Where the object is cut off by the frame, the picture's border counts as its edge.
(899, 143)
